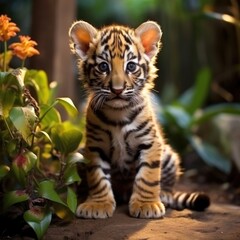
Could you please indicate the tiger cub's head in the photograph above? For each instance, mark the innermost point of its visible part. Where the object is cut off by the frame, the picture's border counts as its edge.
(116, 62)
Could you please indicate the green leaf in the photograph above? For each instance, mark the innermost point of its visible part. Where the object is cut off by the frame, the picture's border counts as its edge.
(178, 115)
(47, 190)
(49, 116)
(7, 99)
(13, 197)
(211, 155)
(11, 84)
(12, 146)
(39, 80)
(71, 200)
(23, 119)
(19, 73)
(8, 58)
(66, 137)
(68, 106)
(22, 164)
(35, 214)
(62, 211)
(71, 175)
(43, 134)
(214, 110)
(195, 97)
(38, 220)
(4, 170)
(25, 161)
(12, 79)
(75, 157)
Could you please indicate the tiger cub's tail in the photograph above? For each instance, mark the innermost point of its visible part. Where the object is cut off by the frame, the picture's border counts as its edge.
(196, 201)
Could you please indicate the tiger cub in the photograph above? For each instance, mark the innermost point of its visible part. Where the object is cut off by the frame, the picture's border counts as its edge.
(124, 142)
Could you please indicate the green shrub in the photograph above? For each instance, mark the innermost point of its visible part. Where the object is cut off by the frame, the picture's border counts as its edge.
(38, 157)
(183, 119)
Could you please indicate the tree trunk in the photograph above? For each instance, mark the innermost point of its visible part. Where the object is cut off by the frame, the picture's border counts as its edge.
(51, 20)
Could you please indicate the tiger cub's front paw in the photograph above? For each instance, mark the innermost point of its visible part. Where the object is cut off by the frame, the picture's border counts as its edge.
(146, 209)
(91, 209)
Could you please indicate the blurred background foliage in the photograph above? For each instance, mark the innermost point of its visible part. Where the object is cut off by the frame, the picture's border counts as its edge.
(198, 88)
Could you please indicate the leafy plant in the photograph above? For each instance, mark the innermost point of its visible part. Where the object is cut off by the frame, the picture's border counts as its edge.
(38, 158)
(183, 120)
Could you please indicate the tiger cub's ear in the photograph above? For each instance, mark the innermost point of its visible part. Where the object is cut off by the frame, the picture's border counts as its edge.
(150, 35)
(81, 35)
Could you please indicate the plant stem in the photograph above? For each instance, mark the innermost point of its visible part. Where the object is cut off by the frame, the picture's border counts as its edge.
(33, 134)
(62, 169)
(4, 56)
(40, 119)
(9, 130)
(23, 63)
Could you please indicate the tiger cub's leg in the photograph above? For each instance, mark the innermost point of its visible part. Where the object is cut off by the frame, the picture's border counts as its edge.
(170, 169)
(100, 202)
(178, 200)
(145, 200)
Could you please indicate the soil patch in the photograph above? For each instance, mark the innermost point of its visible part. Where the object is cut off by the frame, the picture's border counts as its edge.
(220, 221)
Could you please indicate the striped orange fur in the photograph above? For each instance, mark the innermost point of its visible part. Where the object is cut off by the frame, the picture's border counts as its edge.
(128, 155)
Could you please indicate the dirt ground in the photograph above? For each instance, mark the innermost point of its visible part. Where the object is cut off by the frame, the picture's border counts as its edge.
(220, 221)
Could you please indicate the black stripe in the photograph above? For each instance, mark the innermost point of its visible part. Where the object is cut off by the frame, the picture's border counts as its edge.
(97, 127)
(143, 190)
(127, 38)
(138, 73)
(106, 171)
(150, 184)
(106, 48)
(91, 130)
(136, 156)
(138, 128)
(138, 151)
(144, 198)
(179, 202)
(168, 181)
(144, 146)
(166, 160)
(101, 153)
(153, 164)
(129, 149)
(112, 149)
(100, 198)
(146, 132)
(90, 136)
(145, 69)
(100, 190)
(120, 123)
(130, 56)
(98, 183)
(104, 38)
(184, 200)
(86, 69)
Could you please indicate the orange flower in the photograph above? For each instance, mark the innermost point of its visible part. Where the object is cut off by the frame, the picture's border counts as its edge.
(7, 29)
(25, 48)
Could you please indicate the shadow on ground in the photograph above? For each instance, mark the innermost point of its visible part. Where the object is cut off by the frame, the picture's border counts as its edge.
(221, 221)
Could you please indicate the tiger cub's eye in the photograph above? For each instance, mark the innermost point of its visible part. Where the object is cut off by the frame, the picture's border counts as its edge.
(103, 67)
(131, 66)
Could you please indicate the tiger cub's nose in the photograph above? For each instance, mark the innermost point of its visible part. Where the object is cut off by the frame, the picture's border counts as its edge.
(117, 91)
